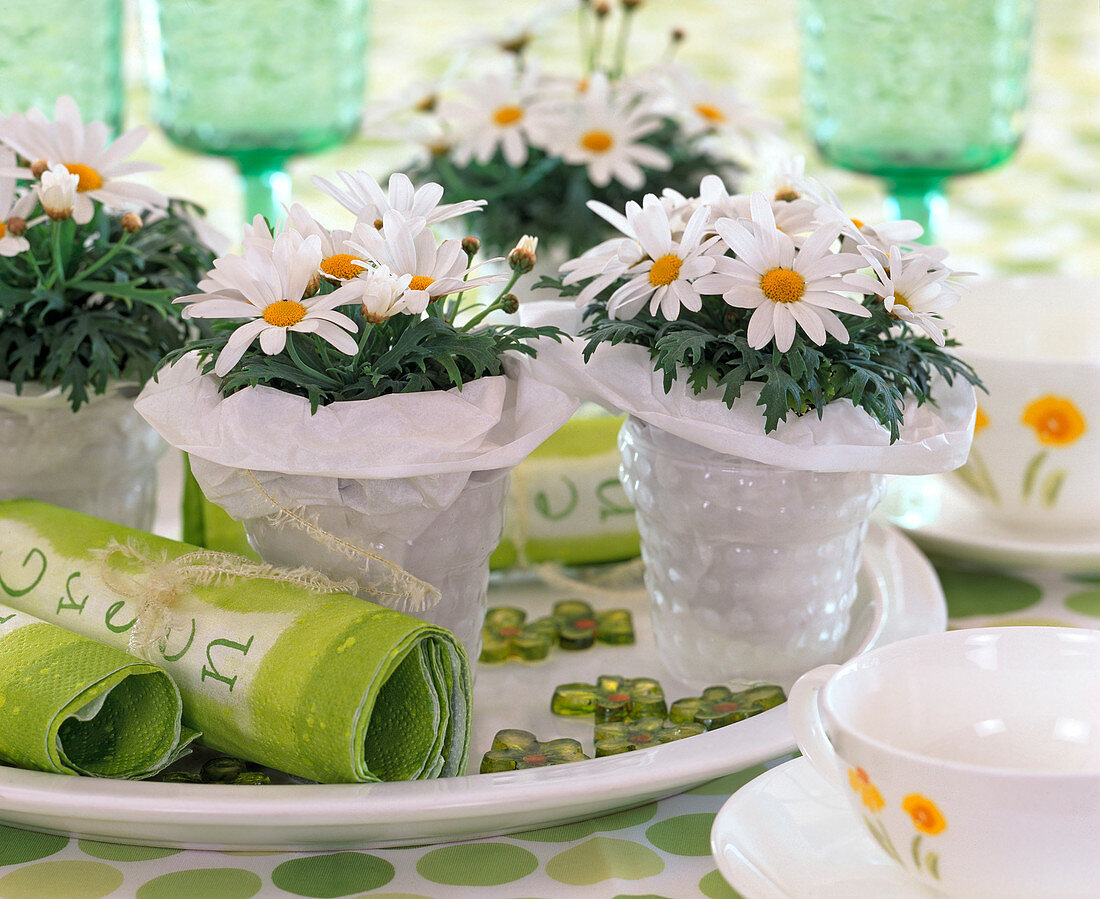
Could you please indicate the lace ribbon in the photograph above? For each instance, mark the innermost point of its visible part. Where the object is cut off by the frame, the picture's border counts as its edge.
(161, 582)
(392, 585)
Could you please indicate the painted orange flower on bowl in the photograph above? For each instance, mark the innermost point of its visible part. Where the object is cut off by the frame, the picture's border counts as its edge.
(927, 818)
(1055, 420)
(868, 792)
(981, 420)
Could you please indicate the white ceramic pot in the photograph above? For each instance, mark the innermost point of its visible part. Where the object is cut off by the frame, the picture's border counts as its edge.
(751, 569)
(446, 545)
(100, 460)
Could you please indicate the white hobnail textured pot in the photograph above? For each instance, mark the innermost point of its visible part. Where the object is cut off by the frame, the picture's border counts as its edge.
(751, 569)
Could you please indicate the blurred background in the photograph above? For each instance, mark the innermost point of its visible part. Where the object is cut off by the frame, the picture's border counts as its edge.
(1038, 212)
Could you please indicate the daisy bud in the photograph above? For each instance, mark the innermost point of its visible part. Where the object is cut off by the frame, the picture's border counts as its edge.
(515, 45)
(38, 167)
(57, 192)
(631, 5)
(678, 35)
(509, 303)
(602, 9)
(522, 258)
(314, 284)
(427, 104)
(17, 226)
(131, 223)
(471, 246)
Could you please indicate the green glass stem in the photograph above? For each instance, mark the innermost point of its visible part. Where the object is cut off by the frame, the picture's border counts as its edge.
(920, 198)
(266, 186)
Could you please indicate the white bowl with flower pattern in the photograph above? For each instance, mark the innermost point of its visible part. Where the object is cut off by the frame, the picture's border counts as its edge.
(972, 756)
(1035, 342)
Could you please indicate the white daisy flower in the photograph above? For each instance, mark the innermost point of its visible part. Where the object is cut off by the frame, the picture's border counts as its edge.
(602, 131)
(408, 247)
(603, 263)
(911, 289)
(785, 178)
(11, 244)
(795, 218)
(493, 113)
(270, 290)
(84, 150)
(856, 233)
(379, 291)
(57, 192)
(701, 106)
(364, 197)
(665, 273)
(338, 262)
(788, 287)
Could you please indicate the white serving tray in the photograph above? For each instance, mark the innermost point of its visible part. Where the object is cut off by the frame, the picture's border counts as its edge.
(899, 596)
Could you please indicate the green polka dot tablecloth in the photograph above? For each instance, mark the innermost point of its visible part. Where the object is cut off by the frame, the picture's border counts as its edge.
(660, 849)
(1038, 213)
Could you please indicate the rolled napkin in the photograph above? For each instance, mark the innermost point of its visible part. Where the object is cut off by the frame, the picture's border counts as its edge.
(70, 705)
(275, 666)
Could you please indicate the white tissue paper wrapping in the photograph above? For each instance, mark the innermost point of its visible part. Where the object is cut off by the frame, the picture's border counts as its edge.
(621, 378)
(391, 455)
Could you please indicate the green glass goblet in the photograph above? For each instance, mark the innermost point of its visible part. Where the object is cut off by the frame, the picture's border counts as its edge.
(258, 83)
(53, 47)
(915, 92)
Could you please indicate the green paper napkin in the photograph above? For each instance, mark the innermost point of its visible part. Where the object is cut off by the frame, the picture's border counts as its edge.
(70, 705)
(272, 666)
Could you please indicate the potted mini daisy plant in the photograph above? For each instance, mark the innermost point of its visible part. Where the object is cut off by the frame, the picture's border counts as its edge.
(539, 144)
(776, 359)
(356, 402)
(86, 290)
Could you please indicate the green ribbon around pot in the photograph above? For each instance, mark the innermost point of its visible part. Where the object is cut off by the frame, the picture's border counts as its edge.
(272, 665)
(70, 705)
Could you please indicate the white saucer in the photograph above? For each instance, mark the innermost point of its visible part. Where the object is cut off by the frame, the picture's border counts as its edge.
(942, 519)
(790, 834)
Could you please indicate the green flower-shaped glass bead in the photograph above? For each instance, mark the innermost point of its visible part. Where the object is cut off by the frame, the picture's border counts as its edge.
(611, 698)
(616, 737)
(719, 706)
(507, 635)
(514, 750)
(579, 625)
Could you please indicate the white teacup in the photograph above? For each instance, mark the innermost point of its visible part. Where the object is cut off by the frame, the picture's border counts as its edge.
(972, 756)
(1035, 342)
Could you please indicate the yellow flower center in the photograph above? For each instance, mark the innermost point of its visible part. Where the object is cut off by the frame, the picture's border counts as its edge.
(858, 223)
(782, 285)
(342, 266)
(597, 141)
(3, 230)
(508, 115)
(710, 112)
(284, 313)
(665, 270)
(421, 282)
(901, 300)
(90, 179)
